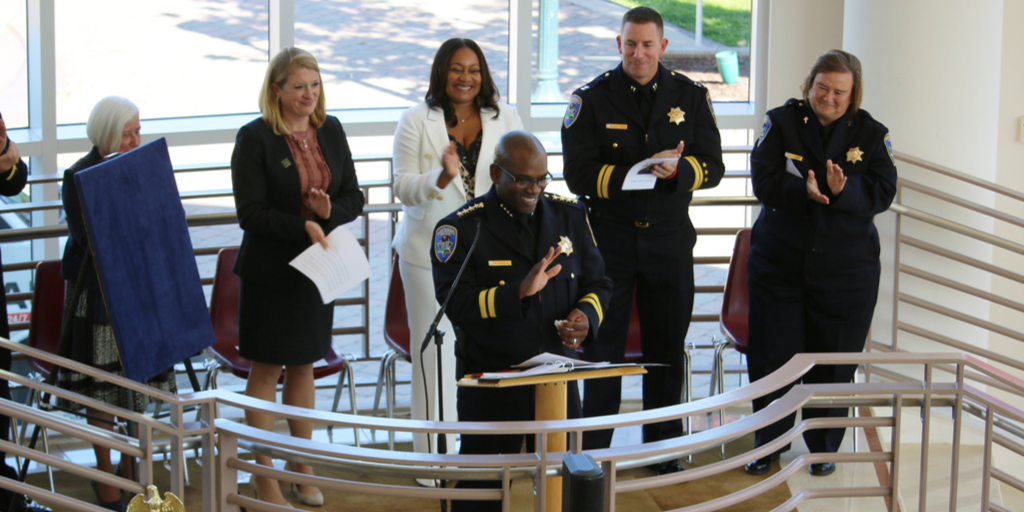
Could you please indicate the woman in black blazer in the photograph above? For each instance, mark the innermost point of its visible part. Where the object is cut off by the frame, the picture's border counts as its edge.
(294, 181)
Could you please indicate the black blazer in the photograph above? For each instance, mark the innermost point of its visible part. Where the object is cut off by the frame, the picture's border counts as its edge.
(269, 202)
(78, 238)
(11, 183)
(790, 145)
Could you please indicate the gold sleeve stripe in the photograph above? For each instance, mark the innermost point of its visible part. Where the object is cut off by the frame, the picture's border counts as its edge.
(698, 174)
(11, 175)
(603, 179)
(483, 304)
(592, 299)
(490, 302)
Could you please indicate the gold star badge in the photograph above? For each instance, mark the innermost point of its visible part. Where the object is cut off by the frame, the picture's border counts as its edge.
(676, 115)
(854, 155)
(565, 245)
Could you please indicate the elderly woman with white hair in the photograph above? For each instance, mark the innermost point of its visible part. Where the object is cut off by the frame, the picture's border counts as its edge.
(113, 128)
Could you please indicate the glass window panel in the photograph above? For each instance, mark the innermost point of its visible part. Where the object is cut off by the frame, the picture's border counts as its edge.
(378, 54)
(14, 78)
(173, 59)
(587, 46)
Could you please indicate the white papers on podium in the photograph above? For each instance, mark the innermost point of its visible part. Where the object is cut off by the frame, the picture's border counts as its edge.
(641, 177)
(338, 268)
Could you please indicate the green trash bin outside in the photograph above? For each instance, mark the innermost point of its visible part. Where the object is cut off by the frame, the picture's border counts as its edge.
(728, 65)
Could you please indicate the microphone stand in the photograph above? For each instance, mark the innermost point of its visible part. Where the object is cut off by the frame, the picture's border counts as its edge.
(438, 337)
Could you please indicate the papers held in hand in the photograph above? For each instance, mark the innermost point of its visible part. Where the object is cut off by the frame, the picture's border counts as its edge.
(547, 363)
(338, 268)
(641, 176)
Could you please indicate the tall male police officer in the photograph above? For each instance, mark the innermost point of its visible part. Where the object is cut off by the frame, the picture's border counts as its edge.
(536, 262)
(636, 111)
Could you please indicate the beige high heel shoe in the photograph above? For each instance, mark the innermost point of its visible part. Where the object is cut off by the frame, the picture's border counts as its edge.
(313, 499)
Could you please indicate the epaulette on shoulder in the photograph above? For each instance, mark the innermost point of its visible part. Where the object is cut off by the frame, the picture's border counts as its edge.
(557, 199)
(470, 209)
(680, 77)
(593, 83)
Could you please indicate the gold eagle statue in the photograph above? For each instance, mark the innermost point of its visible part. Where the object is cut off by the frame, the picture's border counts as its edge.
(170, 502)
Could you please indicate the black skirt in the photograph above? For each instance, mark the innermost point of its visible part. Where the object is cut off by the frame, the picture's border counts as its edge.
(286, 326)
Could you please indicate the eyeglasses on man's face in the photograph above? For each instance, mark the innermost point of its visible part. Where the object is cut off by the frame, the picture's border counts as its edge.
(524, 183)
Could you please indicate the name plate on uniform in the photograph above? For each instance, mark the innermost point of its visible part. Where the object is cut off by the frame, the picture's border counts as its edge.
(499, 263)
(611, 126)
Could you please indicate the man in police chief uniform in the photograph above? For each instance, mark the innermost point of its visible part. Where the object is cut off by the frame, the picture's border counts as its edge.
(642, 110)
(536, 263)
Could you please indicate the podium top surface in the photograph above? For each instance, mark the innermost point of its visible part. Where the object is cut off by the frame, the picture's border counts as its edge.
(578, 374)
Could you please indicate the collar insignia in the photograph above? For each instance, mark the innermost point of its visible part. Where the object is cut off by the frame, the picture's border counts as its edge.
(805, 120)
(565, 245)
(854, 155)
(676, 115)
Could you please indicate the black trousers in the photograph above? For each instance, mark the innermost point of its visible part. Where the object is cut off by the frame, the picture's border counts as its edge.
(808, 302)
(656, 263)
(504, 404)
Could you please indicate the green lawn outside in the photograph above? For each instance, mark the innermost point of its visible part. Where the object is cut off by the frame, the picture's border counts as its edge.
(725, 21)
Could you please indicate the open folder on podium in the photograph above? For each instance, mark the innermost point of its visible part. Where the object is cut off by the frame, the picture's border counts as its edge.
(546, 364)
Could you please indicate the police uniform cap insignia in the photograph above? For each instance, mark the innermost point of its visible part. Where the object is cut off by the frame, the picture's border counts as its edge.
(676, 115)
(572, 112)
(888, 148)
(286, 163)
(564, 245)
(445, 239)
(854, 155)
(470, 208)
(764, 129)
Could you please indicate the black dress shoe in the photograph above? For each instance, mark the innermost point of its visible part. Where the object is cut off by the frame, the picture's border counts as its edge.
(116, 505)
(823, 469)
(761, 466)
(26, 504)
(669, 466)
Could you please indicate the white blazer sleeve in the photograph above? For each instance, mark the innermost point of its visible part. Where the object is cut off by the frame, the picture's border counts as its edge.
(415, 181)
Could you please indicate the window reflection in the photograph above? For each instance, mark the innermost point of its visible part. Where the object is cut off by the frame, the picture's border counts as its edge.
(14, 77)
(376, 54)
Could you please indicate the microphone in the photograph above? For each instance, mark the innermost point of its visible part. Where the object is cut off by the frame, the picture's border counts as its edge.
(444, 306)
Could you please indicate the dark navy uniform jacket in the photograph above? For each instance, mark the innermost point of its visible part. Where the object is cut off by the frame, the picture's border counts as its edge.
(603, 135)
(790, 140)
(501, 328)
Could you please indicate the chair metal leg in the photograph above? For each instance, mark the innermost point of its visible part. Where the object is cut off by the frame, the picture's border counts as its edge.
(718, 379)
(46, 450)
(687, 391)
(380, 379)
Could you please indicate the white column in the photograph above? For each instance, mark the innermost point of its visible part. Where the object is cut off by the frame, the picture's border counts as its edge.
(520, 56)
(281, 24)
(42, 115)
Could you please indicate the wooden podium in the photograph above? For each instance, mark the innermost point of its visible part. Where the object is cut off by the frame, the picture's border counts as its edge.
(550, 395)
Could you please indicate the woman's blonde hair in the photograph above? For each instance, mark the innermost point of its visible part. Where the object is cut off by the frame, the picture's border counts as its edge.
(280, 68)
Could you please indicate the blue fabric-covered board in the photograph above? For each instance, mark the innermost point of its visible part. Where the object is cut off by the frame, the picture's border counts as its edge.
(143, 255)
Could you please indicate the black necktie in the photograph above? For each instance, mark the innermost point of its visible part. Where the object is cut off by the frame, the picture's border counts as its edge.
(645, 99)
(527, 234)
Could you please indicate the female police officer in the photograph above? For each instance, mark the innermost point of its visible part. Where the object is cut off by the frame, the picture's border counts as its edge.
(822, 169)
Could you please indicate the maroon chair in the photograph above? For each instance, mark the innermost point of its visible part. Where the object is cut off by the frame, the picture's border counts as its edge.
(735, 317)
(224, 351)
(44, 332)
(398, 339)
(47, 314)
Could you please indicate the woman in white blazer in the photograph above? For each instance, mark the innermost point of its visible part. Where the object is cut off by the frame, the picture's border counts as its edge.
(442, 156)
